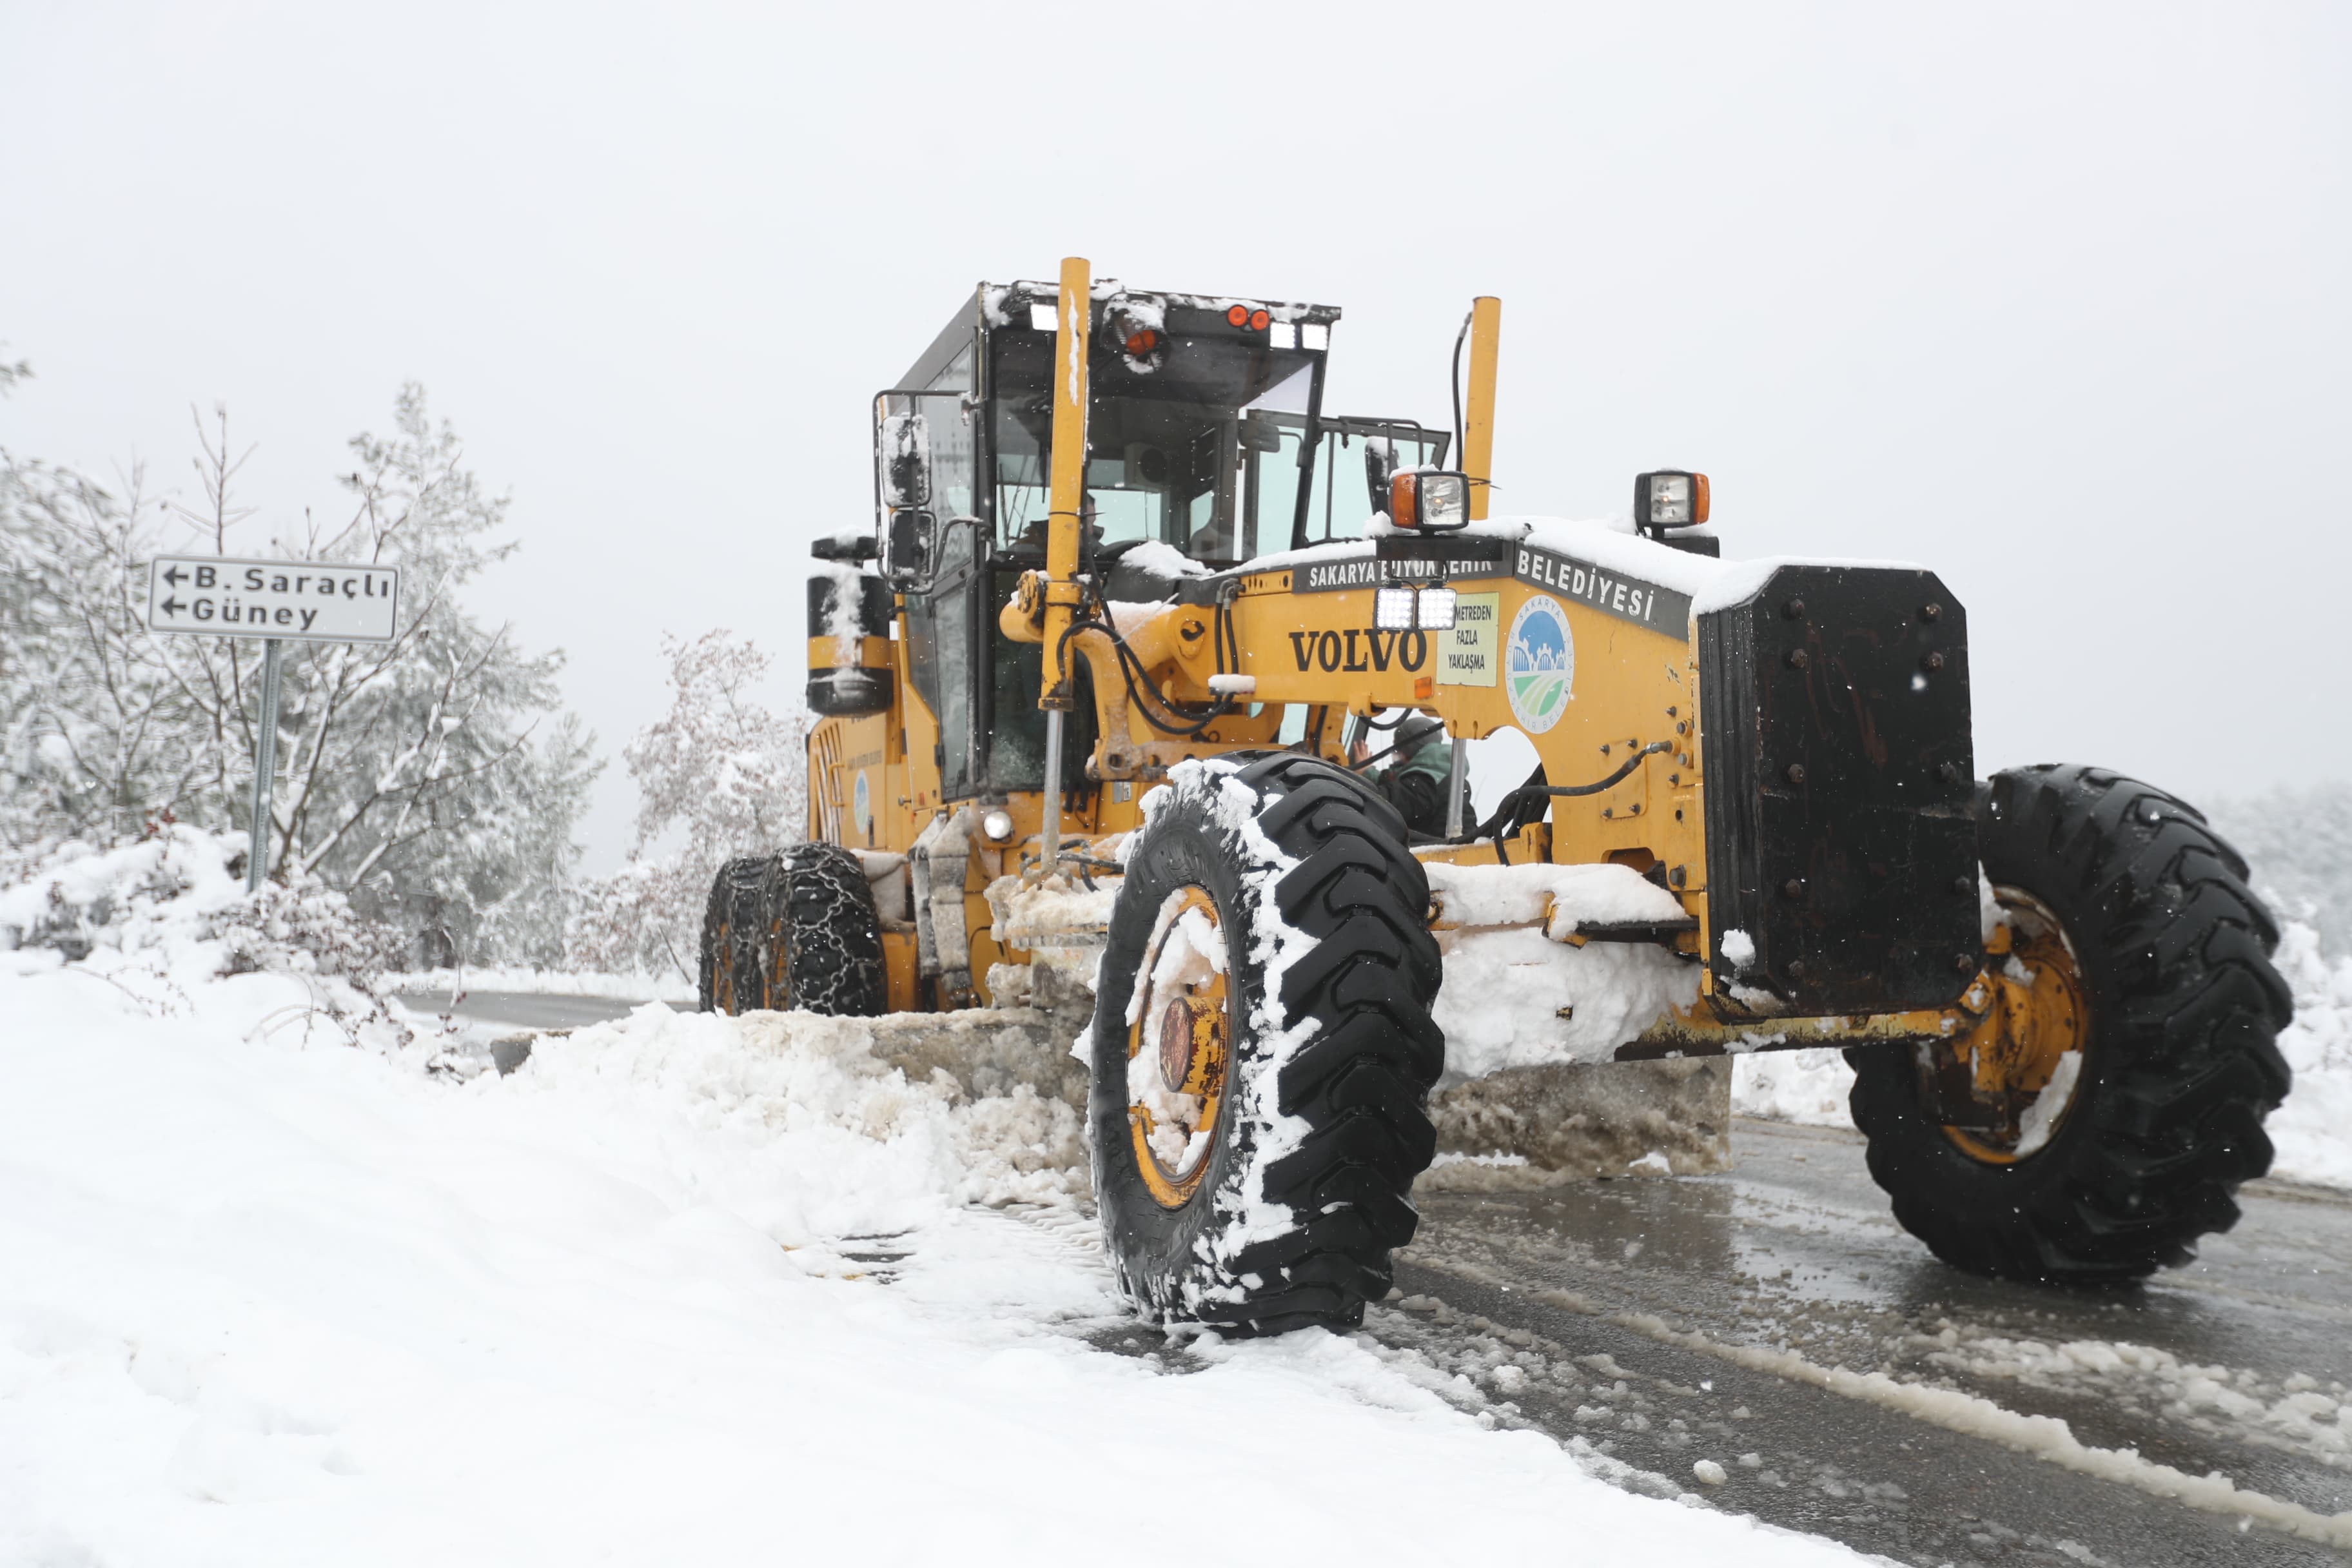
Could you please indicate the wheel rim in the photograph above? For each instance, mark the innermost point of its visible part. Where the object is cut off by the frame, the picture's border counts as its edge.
(2021, 1068)
(1178, 1044)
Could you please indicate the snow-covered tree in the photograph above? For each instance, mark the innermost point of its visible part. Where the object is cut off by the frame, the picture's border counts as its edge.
(433, 779)
(717, 776)
(2299, 845)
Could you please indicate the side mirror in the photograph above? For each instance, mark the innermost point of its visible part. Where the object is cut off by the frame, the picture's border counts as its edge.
(910, 545)
(903, 453)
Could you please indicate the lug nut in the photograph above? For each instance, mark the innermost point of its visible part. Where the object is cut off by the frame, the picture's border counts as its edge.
(1796, 773)
(1933, 661)
(1929, 611)
(1798, 658)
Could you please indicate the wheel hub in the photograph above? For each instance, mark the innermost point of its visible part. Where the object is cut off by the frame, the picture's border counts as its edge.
(1177, 1046)
(2002, 1089)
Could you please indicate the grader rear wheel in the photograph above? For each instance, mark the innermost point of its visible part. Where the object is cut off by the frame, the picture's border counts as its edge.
(741, 966)
(1263, 1050)
(793, 930)
(2101, 1114)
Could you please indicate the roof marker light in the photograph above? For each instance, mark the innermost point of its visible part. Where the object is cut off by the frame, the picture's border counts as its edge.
(1238, 316)
(1258, 318)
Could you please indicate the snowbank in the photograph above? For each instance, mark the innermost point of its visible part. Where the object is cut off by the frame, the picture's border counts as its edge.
(684, 1290)
(163, 919)
(2313, 1130)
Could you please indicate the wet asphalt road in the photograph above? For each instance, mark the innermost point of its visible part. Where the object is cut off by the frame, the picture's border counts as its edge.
(1651, 1324)
(1663, 1323)
(524, 1009)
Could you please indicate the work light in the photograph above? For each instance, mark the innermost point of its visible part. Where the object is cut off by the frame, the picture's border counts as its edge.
(1430, 499)
(1436, 610)
(1669, 498)
(1393, 610)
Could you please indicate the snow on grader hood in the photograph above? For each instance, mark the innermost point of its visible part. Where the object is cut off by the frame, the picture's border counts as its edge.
(1110, 688)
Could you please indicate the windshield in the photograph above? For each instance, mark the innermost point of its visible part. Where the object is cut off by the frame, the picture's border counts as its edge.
(1202, 453)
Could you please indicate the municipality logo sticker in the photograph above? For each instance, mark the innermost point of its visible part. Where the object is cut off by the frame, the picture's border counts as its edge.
(1539, 667)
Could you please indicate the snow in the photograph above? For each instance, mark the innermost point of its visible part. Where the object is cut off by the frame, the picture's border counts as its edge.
(1807, 1086)
(684, 1288)
(1567, 897)
(1161, 558)
(2041, 1118)
(1513, 997)
(1738, 949)
(2313, 1130)
(1516, 995)
(1739, 579)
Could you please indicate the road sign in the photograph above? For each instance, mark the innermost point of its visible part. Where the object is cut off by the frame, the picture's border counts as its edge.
(277, 601)
(300, 601)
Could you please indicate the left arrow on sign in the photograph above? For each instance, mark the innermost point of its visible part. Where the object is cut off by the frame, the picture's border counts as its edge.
(170, 606)
(172, 575)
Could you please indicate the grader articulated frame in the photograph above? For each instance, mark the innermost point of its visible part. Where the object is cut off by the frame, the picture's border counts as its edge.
(1109, 689)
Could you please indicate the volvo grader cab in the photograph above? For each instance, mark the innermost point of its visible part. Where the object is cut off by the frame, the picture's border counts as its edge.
(1151, 663)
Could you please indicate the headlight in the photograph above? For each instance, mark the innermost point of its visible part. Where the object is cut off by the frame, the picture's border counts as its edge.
(998, 826)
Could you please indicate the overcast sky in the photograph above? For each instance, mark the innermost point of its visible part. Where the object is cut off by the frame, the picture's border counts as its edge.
(2052, 298)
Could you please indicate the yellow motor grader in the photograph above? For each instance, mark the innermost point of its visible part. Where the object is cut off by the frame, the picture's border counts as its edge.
(1151, 663)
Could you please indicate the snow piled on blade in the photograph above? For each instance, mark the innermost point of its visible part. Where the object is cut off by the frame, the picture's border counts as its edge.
(685, 1288)
(1515, 994)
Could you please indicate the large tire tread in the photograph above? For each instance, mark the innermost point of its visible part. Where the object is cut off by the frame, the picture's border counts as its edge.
(1362, 1080)
(2184, 1066)
(795, 931)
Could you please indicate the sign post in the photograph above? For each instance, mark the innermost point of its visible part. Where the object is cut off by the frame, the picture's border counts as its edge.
(276, 602)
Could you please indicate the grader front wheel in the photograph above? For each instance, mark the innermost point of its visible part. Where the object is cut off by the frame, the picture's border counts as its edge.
(1263, 1049)
(2101, 1113)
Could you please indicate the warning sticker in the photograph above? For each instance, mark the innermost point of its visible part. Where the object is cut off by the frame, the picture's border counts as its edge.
(1465, 656)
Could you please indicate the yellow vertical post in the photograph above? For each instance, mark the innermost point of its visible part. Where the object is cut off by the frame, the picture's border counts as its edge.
(1067, 483)
(1065, 508)
(1477, 454)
